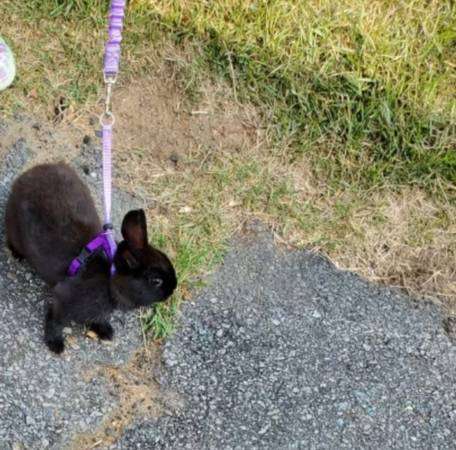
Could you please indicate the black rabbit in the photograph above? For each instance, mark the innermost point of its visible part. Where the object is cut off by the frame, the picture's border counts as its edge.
(50, 217)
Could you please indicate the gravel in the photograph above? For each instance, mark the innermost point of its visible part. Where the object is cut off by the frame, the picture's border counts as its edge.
(284, 351)
(45, 399)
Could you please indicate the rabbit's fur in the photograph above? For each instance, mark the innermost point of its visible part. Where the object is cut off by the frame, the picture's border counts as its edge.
(50, 217)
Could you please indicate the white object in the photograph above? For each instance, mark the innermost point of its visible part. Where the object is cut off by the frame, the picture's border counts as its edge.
(7, 65)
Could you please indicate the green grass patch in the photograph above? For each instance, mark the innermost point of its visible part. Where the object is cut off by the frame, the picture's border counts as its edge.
(372, 85)
(369, 85)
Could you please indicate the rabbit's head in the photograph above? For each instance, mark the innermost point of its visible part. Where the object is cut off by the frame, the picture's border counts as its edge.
(144, 275)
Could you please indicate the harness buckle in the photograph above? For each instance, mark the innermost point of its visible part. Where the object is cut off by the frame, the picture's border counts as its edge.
(84, 255)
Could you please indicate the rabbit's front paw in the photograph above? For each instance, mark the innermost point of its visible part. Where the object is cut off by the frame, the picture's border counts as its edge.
(56, 345)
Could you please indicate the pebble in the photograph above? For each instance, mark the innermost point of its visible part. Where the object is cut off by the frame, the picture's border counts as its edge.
(11, 276)
(174, 157)
(343, 406)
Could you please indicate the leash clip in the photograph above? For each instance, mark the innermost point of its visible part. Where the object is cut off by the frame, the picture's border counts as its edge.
(107, 118)
(108, 100)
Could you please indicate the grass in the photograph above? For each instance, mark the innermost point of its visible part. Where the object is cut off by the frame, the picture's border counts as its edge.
(356, 75)
(360, 155)
(370, 84)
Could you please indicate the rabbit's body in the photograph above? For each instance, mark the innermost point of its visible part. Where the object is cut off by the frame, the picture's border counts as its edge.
(50, 217)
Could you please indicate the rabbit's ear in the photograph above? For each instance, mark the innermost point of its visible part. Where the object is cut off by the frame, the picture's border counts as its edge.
(134, 229)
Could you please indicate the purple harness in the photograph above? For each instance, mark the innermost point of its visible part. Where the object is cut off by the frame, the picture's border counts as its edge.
(103, 240)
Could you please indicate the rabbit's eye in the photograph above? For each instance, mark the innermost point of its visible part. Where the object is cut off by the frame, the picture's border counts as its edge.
(156, 282)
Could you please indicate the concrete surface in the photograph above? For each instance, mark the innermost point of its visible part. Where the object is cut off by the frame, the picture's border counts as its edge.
(283, 351)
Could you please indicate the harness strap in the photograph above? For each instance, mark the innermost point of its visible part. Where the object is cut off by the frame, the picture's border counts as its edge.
(103, 241)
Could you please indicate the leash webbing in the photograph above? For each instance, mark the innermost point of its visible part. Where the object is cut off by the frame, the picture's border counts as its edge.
(110, 71)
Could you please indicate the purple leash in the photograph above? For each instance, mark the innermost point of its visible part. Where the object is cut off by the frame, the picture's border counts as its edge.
(105, 239)
(111, 69)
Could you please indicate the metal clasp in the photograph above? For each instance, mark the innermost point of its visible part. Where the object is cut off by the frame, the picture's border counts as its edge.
(107, 118)
(108, 97)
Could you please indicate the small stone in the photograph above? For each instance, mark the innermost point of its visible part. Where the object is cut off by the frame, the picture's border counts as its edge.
(29, 420)
(50, 393)
(340, 423)
(93, 174)
(275, 322)
(171, 361)
(92, 335)
(36, 126)
(11, 276)
(174, 157)
(72, 342)
(343, 406)
(316, 315)
(67, 330)
(86, 140)
(361, 396)
(219, 333)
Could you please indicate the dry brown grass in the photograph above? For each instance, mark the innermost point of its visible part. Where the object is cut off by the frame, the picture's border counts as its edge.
(402, 240)
(137, 393)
